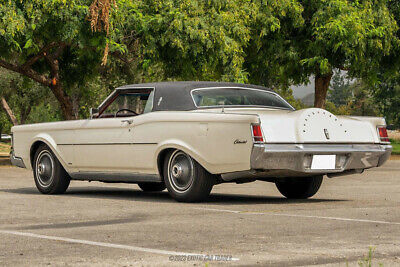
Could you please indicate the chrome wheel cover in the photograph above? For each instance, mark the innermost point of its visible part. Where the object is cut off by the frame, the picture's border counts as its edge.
(44, 168)
(180, 171)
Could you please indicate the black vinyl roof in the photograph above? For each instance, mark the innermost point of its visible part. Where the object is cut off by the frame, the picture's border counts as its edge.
(176, 95)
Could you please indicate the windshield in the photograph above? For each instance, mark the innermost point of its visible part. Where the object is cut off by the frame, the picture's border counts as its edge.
(237, 97)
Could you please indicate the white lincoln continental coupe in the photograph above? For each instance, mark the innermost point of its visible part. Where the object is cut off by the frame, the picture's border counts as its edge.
(189, 136)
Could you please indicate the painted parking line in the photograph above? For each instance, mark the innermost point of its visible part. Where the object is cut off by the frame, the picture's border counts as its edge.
(300, 216)
(108, 245)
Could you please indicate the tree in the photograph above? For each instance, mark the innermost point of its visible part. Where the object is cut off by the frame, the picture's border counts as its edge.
(348, 35)
(50, 42)
(192, 40)
(387, 96)
(362, 103)
(19, 95)
(61, 44)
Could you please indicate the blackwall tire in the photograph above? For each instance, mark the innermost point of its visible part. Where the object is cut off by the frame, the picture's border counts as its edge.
(300, 188)
(185, 179)
(49, 175)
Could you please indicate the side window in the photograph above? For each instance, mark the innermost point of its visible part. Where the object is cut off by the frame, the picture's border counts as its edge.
(149, 103)
(130, 103)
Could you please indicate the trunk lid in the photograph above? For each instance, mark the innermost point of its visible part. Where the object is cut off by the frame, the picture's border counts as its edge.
(312, 125)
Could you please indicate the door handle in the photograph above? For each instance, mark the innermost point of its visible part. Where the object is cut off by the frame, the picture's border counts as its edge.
(127, 121)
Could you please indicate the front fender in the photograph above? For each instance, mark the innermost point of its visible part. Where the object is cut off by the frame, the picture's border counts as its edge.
(49, 141)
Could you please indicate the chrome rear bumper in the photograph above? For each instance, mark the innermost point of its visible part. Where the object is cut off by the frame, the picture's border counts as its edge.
(298, 157)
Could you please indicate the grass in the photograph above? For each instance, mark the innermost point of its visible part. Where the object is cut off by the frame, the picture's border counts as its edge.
(5, 148)
(367, 260)
(396, 146)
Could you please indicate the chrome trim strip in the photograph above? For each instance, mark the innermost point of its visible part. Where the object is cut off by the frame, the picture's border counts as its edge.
(319, 143)
(115, 177)
(238, 87)
(100, 144)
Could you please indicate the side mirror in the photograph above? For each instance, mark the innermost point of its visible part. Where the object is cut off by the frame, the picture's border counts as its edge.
(94, 112)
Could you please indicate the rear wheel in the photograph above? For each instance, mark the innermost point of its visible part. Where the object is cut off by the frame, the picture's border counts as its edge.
(50, 176)
(152, 187)
(186, 180)
(300, 188)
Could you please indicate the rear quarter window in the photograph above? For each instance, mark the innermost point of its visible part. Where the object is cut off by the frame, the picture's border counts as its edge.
(237, 97)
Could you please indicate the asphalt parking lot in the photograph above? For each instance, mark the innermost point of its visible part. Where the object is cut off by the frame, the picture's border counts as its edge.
(117, 224)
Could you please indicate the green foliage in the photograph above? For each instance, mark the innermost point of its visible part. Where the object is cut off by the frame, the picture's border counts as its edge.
(362, 102)
(352, 35)
(316, 37)
(367, 260)
(339, 93)
(273, 43)
(271, 57)
(340, 110)
(51, 42)
(396, 146)
(5, 124)
(28, 25)
(287, 94)
(29, 101)
(194, 40)
(386, 95)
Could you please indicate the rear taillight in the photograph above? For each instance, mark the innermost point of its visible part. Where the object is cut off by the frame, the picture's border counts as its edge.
(257, 133)
(383, 135)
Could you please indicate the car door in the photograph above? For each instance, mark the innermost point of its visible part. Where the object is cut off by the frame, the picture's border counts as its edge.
(106, 144)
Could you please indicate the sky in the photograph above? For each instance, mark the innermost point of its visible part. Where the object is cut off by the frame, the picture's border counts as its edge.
(301, 91)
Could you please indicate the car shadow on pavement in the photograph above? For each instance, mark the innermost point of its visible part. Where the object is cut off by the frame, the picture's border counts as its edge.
(239, 199)
(137, 218)
(138, 195)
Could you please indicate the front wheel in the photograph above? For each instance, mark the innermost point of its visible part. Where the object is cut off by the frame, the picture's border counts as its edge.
(186, 180)
(50, 176)
(300, 188)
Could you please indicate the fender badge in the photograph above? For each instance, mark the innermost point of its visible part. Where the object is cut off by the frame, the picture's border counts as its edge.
(238, 141)
(326, 134)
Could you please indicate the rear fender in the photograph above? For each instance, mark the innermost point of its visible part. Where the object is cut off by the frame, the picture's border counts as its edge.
(180, 145)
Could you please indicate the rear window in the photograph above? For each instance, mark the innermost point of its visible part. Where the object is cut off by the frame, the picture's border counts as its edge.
(237, 97)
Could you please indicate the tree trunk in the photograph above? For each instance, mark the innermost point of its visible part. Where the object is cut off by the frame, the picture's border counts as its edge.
(66, 105)
(25, 113)
(53, 82)
(65, 101)
(321, 89)
(9, 112)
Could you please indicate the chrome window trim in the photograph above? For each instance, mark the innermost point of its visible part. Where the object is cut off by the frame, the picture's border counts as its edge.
(117, 90)
(243, 88)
